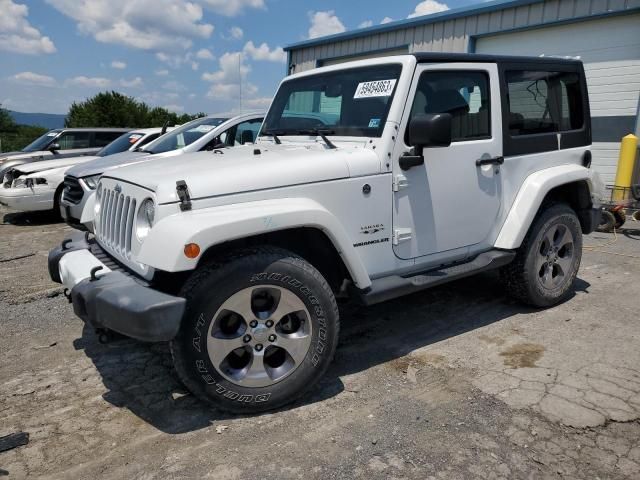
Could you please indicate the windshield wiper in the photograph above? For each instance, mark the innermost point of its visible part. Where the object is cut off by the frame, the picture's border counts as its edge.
(319, 132)
(274, 134)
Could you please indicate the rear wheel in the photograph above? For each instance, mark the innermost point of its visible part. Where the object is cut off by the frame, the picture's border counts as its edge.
(259, 330)
(547, 262)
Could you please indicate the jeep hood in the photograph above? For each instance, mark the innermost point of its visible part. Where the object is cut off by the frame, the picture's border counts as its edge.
(102, 164)
(242, 169)
(51, 164)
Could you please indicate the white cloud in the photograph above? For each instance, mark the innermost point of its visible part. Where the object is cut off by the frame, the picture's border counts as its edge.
(264, 53)
(133, 83)
(366, 24)
(324, 23)
(17, 35)
(260, 103)
(236, 33)
(427, 7)
(145, 24)
(118, 65)
(386, 20)
(89, 82)
(177, 60)
(231, 8)
(226, 80)
(204, 54)
(30, 78)
(163, 72)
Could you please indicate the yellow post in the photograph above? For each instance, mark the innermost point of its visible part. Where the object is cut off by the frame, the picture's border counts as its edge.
(626, 161)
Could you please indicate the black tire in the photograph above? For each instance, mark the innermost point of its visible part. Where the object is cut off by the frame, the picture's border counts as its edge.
(620, 218)
(523, 278)
(216, 282)
(57, 199)
(607, 222)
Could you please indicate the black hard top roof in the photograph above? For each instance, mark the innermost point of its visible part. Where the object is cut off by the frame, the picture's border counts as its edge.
(428, 57)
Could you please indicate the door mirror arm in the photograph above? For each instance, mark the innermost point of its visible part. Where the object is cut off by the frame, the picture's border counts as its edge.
(411, 159)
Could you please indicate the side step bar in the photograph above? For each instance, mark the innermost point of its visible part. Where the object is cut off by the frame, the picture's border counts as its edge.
(393, 286)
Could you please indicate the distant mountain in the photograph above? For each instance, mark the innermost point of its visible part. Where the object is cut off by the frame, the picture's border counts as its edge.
(46, 120)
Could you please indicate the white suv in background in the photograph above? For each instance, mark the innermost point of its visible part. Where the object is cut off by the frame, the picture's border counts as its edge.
(38, 185)
(206, 133)
(61, 143)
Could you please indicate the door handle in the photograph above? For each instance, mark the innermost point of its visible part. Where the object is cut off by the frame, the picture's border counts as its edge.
(489, 161)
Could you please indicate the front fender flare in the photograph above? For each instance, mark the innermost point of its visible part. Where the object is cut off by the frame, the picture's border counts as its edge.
(163, 249)
(533, 191)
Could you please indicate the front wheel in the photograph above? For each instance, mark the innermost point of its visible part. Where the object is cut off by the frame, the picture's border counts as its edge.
(547, 262)
(259, 330)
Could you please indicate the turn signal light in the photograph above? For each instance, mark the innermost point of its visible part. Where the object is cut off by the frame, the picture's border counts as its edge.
(191, 250)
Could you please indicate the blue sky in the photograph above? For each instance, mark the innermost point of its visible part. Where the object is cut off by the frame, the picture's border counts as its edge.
(186, 55)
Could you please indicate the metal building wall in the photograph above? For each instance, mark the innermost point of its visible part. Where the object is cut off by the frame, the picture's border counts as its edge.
(455, 34)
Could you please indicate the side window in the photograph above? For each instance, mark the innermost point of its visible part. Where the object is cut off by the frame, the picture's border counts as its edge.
(544, 102)
(149, 139)
(247, 132)
(102, 139)
(463, 94)
(74, 140)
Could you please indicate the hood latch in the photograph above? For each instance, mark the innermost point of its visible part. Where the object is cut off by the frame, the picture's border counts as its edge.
(183, 194)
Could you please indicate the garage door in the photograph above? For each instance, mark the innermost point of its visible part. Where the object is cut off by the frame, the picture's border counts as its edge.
(610, 50)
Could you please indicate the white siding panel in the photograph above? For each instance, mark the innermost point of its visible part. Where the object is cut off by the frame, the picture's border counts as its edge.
(605, 160)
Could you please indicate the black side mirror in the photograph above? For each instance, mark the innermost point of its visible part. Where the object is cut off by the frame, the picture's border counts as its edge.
(54, 147)
(425, 131)
(247, 137)
(430, 130)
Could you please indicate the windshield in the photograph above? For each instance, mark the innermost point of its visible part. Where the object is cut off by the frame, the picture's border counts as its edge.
(184, 135)
(41, 142)
(352, 102)
(121, 144)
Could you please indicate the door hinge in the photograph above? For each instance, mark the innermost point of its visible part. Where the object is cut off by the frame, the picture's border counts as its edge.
(401, 235)
(400, 182)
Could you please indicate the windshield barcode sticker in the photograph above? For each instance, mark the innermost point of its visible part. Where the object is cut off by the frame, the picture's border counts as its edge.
(378, 88)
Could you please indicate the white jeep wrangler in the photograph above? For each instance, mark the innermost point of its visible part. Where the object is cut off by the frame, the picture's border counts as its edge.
(375, 178)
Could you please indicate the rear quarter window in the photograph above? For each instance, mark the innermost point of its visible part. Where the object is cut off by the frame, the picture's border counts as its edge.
(540, 104)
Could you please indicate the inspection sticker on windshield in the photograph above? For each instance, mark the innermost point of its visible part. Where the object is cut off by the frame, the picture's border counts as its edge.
(378, 88)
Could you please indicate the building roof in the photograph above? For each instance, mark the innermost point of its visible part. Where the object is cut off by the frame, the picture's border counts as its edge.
(481, 7)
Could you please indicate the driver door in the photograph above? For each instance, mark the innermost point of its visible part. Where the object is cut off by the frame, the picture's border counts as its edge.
(449, 205)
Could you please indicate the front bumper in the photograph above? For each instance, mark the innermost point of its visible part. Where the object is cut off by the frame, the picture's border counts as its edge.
(110, 299)
(27, 199)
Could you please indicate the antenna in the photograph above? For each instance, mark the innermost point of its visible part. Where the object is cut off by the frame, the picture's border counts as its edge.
(240, 77)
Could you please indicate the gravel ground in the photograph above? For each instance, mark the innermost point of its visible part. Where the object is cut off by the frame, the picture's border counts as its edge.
(456, 382)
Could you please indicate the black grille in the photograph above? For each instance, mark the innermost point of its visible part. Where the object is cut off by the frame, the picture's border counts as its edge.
(73, 191)
(112, 263)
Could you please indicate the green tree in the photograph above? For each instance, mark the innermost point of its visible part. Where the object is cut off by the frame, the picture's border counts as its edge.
(113, 109)
(14, 136)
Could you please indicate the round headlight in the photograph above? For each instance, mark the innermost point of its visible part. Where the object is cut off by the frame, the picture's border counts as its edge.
(144, 218)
